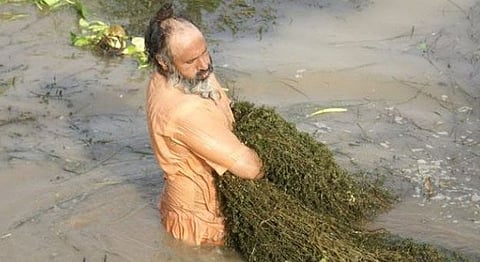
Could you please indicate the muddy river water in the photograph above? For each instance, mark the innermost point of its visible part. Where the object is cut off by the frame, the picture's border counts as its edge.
(77, 178)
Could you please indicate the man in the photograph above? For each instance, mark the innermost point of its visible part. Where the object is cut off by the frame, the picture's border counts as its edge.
(190, 124)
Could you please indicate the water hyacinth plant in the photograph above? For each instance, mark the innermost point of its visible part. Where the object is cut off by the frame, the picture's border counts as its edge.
(99, 36)
(109, 40)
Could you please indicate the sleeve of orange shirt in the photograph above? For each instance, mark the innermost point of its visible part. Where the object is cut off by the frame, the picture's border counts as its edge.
(205, 133)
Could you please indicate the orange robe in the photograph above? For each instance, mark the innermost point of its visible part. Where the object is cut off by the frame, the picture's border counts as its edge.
(191, 138)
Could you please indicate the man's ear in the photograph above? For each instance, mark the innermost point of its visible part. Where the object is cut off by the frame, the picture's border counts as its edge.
(162, 62)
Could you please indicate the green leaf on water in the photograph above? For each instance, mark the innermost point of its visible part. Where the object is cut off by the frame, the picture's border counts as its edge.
(81, 42)
(422, 46)
(142, 60)
(137, 46)
(83, 23)
(130, 50)
(139, 43)
(80, 8)
(137, 50)
(97, 27)
(49, 4)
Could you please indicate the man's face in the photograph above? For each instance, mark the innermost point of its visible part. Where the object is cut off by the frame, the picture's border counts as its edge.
(191, 58)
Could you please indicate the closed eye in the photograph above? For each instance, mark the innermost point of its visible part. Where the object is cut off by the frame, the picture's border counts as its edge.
(193, 60)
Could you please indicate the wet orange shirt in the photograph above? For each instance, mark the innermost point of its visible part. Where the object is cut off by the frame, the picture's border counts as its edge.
(191, 138)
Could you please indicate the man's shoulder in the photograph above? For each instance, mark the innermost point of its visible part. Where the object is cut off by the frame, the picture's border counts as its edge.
(191, 106)
(156, 83)
(172, 102)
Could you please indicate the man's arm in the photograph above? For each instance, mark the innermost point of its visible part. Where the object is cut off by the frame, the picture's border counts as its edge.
(206, 135)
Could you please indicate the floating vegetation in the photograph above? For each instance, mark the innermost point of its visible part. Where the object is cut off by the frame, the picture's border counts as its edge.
(9, 16)
(51, 4)
(109, 40)
(105, 39)
(307, 208)
(13, 1)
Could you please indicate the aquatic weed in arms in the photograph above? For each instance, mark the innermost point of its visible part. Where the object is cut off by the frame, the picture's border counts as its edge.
(273, 220)
(306, 168)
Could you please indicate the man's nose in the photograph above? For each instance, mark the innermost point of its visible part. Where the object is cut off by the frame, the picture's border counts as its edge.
(204, 61)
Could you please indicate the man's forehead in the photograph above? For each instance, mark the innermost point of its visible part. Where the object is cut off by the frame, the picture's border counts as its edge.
(184, 37)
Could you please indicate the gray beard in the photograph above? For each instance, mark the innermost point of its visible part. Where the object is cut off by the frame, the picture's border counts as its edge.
(193, 86)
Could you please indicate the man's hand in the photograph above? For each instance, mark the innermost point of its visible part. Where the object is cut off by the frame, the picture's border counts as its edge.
(259, 175)
(248, 165)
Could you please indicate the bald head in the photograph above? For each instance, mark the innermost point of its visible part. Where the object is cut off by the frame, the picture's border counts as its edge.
(182, 35)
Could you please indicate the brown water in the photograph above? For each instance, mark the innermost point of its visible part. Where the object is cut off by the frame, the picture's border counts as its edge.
(77, 179)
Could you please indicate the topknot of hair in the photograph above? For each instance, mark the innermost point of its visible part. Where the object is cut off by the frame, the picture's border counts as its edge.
(165, 12)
